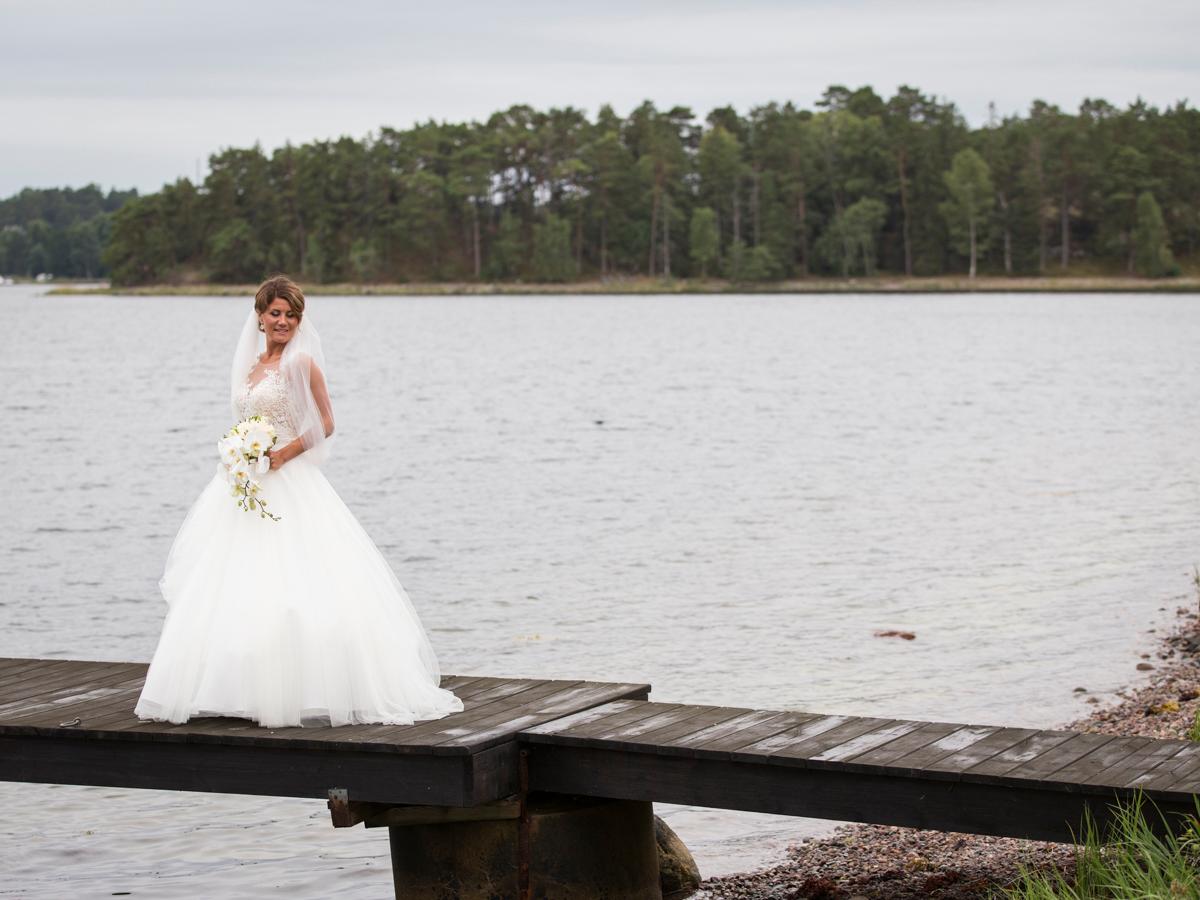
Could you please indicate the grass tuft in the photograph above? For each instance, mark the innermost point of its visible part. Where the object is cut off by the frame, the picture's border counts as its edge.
(1193, 733)
(1135, 861)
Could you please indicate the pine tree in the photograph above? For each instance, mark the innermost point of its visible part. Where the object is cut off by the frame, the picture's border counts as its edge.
(552, 259)
(703, 238)
(1152, 249)
(971, 202)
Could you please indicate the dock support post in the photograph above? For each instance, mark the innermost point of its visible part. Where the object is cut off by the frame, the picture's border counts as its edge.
(577, 848)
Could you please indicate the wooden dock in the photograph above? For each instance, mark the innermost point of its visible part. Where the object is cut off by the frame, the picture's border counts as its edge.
(72, 722)
(1016, 782)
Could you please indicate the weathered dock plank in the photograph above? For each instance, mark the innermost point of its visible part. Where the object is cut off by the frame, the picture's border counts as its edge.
(973, 778)
(732, 722)
(730, 743)
(887, 754)
(464, 759)
(973, 754)
(72, 722)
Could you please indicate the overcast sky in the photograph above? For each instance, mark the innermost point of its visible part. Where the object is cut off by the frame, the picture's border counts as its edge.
(134, 94)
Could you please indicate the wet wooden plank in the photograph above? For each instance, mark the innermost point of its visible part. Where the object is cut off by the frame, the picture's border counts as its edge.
(669, 727)
(1187, 782)
(885, 755)
(1179, 769)
(1123, 773)
(681, 721)
(498, 690)
(454, 728)
(21, 670)
(734, 742)
(645, 729)
(115, 720)
(702, 729)
(800, 732)
(8, 663)
(115, 704)
(132, 674)
(1043, 766)
(617, 715)
(870, 740)
(954, 742)
(740, 724)
(632, 733)
(538, 705)
(37, 690)
(539, 710)
(18, 666)
(608, 726)
(1019, 753)
(1085, 769)
(982, 750)
(817, 744)
(500, 700)
(581, 718)
(30, 682)
(95, 694)
(478, 693)
(45, 694)
(587, 694)
(460, 685)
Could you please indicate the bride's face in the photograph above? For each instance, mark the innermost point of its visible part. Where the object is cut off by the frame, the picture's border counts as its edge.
(279, 322)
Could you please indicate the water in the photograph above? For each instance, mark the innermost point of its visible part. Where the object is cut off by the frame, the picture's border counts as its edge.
(723, 496)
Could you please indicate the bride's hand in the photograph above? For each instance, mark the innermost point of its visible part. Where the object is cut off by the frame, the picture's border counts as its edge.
(281, 455)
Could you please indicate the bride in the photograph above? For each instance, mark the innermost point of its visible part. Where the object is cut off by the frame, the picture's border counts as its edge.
(298, 621)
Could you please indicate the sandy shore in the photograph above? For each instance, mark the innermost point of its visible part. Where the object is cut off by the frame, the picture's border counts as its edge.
(882, 284)
(860, 861)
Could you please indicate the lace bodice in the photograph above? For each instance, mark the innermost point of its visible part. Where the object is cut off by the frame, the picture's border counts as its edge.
(269, 398)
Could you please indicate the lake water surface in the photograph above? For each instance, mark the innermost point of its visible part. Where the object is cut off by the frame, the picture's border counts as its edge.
(724, 496)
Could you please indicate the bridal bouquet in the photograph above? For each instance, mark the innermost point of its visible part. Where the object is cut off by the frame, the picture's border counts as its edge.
(244, 454)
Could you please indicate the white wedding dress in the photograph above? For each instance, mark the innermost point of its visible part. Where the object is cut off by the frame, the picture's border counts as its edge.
(295, 622)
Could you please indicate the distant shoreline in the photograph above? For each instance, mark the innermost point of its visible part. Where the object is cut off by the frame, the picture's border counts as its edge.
(882, 284)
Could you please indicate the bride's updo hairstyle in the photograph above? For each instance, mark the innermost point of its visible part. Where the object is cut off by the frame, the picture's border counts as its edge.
(279, 287)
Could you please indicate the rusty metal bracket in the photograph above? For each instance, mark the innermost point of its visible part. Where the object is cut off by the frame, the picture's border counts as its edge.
(346, 813)
(341, 810)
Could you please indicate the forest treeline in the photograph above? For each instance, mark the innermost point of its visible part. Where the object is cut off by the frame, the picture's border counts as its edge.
(857, 185)
(60, 230)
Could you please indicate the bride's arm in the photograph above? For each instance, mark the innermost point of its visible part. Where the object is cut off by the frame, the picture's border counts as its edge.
(321, 394)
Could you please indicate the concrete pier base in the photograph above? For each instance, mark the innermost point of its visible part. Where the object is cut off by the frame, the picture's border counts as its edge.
(562, 848)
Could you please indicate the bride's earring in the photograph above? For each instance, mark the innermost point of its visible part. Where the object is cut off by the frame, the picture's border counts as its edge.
(260, 328)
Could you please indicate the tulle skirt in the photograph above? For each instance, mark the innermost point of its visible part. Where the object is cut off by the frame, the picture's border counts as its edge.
(295, 622)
